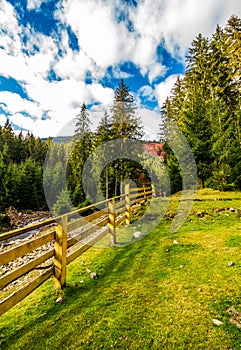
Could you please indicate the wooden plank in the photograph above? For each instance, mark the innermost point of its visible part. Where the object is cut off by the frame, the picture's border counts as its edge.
(22, 270)
(112, 222)
(26, 247)
(138, 201)
(25, 229)
(120, 211)
(137, 195)
(128, 204)
(64, 222)
(20, 294)
(120, 220)
(136, 189)
(102, 223)
(82, 221)
(96, 215)
(149, 192)
(91, 206)
(60, 257)
(75, 239)
(76, 224)
(76, 253)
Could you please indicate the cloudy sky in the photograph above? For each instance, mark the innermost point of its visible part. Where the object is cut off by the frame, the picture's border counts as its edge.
(57, 54)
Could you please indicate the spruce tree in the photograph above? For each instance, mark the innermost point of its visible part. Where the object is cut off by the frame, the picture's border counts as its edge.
(83, 141)
(125, 124)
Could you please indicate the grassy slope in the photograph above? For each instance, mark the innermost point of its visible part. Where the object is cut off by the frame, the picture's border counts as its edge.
(145, 297)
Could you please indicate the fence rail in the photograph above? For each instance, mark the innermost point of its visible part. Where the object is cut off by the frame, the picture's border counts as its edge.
(59, 235)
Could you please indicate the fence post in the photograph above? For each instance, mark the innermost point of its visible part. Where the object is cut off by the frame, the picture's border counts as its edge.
(153, 190)
(111, 206)
(144, 190)
(128, 203)
(60, 247)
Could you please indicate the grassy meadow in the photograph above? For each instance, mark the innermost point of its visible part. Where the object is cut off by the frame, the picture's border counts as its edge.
(153, 294)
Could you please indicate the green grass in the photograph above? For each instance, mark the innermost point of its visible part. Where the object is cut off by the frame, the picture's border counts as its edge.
(152, 294)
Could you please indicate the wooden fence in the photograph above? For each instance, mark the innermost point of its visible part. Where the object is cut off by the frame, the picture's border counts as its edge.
(64, 238)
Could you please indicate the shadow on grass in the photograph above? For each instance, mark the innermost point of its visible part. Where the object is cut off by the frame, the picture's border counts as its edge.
(42, 321)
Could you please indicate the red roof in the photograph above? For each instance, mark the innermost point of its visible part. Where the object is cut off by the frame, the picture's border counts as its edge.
(154, 148)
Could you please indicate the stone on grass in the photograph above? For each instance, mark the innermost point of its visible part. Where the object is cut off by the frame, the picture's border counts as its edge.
(60, 300)
(93, 275)
(217, 322)
(175, 242)
(137, 234)
(230, 263)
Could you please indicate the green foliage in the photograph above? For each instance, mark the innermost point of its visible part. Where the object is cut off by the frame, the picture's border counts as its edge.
(21, 170)
(121, 122)
(206, 104)
(63, 204)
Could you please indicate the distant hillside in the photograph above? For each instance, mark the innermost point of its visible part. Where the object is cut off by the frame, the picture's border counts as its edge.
(58, 139)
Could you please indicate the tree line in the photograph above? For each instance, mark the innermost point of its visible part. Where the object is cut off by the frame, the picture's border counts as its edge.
(23, 169)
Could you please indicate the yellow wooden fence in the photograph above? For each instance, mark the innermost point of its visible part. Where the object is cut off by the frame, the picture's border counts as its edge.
(66, 233)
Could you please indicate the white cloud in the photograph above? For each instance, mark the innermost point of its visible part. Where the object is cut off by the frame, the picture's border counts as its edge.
(177, 22)
(101, 94)
(75, 65)
(150, 121)
(146, 92)
(34, 4)
(99, 36)
(15, 103)
(3, 119)
(163, 89)
(9, 30)
(156, 70)
(117, 73)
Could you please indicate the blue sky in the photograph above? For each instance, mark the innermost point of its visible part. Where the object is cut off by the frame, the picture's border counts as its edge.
(57, 54)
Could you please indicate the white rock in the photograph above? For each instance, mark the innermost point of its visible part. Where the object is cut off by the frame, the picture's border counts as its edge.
(217, 322)
(93, 275)
(60, 300)
(137, 234)
(175, 242)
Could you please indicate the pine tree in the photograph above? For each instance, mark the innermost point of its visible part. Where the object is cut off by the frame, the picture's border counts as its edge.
(63, 204)
(103, 135)
(125, 125)
(83, 146)
(82, 122)
(125, 122)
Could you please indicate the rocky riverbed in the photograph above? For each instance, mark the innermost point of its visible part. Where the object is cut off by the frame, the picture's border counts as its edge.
(20, 220)
(15, 219)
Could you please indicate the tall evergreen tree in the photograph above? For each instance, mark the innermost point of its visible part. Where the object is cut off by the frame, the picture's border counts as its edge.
(83, 122)
(83, 145)
(125, 124)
